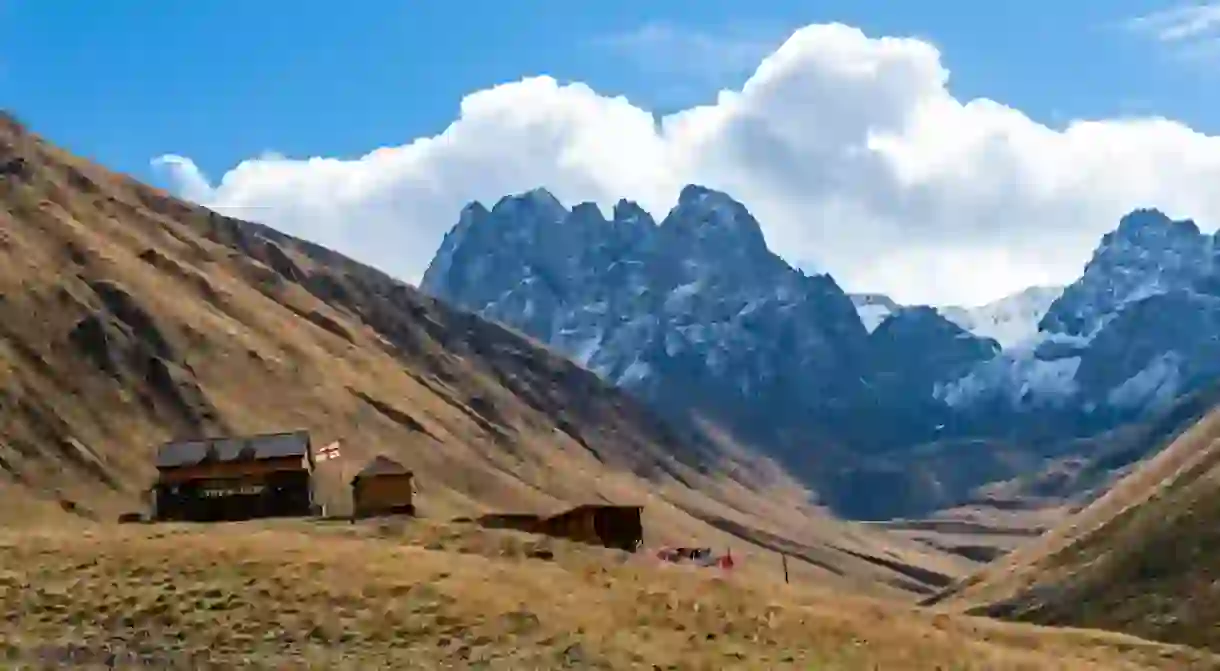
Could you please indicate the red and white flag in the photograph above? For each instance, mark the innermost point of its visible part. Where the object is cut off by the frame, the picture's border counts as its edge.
(329, 452)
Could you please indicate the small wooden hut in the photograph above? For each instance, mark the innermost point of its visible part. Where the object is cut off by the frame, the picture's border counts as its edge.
(383, 487)
(618, 527)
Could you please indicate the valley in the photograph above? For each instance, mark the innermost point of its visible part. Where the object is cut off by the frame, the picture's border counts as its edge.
(158, 320)
(884, 510)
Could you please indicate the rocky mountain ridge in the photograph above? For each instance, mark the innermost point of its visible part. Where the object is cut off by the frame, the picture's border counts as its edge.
(1136, 330)
(696, 314)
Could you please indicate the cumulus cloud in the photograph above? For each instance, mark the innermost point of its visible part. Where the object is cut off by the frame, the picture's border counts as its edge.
(850, 149)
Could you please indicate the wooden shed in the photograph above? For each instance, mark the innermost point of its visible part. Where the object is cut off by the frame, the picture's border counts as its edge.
(619, 527)
(383, 487)
(232, 478)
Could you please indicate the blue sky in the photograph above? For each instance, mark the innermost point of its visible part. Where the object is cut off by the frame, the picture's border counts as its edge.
(849, 148)
(219, 81)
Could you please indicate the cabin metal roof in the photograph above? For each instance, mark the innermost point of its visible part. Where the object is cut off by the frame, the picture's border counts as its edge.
(180, 453)
(382, 465)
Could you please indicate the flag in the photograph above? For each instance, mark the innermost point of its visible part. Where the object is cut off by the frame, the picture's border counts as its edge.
(329, 452)
(726, 562)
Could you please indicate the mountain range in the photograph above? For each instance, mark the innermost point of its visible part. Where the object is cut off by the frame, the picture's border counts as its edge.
(698, 318)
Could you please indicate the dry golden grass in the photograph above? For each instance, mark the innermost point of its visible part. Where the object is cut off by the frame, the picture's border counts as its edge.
(1141, 558)
(425, 595)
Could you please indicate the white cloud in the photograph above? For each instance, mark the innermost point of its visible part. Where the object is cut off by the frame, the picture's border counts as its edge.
(189, 180)
(851, 151)
(1191, 30)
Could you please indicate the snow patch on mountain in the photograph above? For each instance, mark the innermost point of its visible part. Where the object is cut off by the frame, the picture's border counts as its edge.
(1010, 321)
(1018, 377)
(873, 309)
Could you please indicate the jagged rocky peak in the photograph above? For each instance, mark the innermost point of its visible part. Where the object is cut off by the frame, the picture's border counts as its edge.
(587, 212)
(1140, 325)
(695, 193)
(921, 326)
(1152, 222)
(629, 212)
(914, 351)
(1148, 254)
(473, 210)
(705, 213)
(537, 203)
(696, 307)
(704, 206)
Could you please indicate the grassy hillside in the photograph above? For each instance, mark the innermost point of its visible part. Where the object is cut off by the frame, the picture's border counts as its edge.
(128, 317)
(1142, 558)
(424, 595)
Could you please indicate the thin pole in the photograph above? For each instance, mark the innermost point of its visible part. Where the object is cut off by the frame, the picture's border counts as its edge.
(784, 557)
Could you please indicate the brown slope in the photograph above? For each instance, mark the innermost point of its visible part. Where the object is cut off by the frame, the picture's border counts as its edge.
(1142, 558)
(128, 317)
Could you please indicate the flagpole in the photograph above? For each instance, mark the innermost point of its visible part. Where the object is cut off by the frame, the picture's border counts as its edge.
(344, 485)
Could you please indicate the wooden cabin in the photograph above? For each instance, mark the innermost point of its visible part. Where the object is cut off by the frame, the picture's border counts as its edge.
(383, 487)
(618, 527)
(235, 478)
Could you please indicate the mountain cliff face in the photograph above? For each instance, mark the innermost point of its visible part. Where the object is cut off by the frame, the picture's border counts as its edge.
(1148, 254)
(696, 316)
(945, 351)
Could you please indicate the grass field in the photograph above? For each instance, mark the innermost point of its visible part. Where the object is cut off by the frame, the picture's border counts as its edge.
(418, 594)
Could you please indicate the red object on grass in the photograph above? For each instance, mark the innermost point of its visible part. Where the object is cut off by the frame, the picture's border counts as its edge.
(726, 561)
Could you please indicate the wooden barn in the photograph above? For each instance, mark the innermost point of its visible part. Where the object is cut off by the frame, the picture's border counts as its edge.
(618, 527)
(383, 487)
(234, 478)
